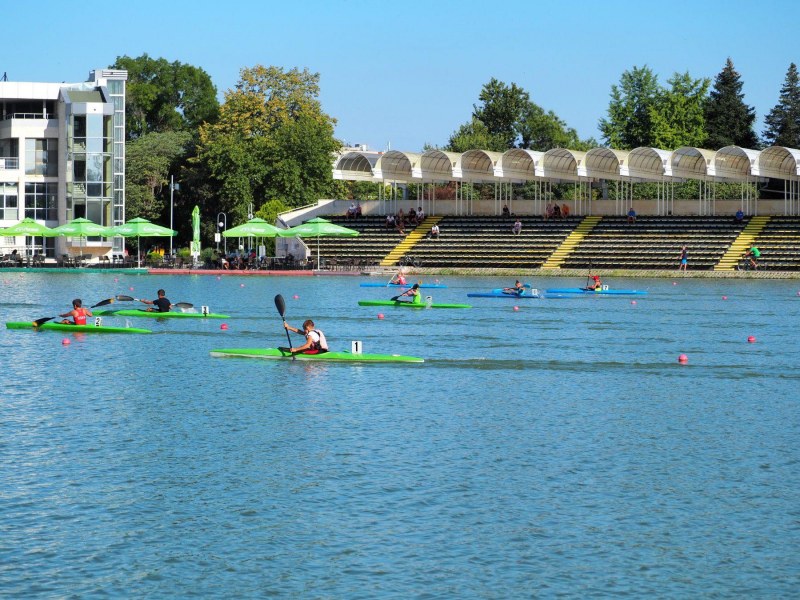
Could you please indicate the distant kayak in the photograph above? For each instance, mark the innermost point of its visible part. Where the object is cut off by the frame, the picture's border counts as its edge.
(409, 304)
(50, 326)
(135, 312)
(603, 292)
(402, 285)
(527, 292)
(277, 354)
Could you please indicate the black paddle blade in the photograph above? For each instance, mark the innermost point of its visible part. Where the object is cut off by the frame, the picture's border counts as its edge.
(394, 298)
(126, 298)
(103, 302)
(280, 304)
(38, 322)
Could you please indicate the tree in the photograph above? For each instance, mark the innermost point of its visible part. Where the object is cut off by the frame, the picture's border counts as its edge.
(150, 160)
(783, 121)
(272, 140)
(729, 121)
(540, 130)
(677, 115)
(501, 110)
(473, 135)
(630, 112)
(164, 96)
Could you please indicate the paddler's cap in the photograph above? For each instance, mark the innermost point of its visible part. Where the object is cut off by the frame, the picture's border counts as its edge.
(416, 286)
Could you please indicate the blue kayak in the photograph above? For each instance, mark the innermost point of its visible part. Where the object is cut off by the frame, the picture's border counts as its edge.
(602, 292)
(499, 293)
(403, 285)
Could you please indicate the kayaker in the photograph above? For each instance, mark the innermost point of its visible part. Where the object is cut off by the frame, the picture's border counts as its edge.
(412, 293)
(315, 339)
(160, 304)
(399, 278)
(78, 314)
(596, 284)
(518, 289)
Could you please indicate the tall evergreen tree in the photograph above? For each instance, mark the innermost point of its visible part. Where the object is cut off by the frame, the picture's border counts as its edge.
(729, 121)
(783, 121)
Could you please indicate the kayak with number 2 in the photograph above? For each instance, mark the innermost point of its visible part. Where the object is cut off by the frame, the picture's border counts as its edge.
(410, 304)
(135, 312)
(49, 326)
(277, 354)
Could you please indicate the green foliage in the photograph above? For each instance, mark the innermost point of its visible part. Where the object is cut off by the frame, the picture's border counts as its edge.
(184, 253)
(629, 123)
(677, 116)
(783, 121)
(272, 140)
(500, 111)
(729, 121)
(474, 135)
(208, 255)
(164, 96)
(683, 190)
(150, 160)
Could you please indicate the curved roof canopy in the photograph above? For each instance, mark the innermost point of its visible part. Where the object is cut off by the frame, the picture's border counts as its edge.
(517, 165)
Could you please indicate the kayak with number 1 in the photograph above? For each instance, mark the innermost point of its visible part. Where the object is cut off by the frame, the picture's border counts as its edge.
(278, 353)
(135, 312)
(601, 292)
(49, 326)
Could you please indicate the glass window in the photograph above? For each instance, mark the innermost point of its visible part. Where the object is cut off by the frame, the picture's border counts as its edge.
(41, 201)
(41, 157)
(8, 202)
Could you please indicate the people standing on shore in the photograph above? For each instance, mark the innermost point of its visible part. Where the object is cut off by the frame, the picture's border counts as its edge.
(684, 257)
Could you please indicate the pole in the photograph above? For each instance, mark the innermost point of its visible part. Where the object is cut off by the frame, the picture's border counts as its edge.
(171, 192)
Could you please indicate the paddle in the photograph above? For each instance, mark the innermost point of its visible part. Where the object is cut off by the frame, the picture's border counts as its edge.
(122, 298)
(103, 303)
(281, 306)
(38, 322)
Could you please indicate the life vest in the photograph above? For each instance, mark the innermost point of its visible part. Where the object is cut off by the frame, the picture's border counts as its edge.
(80, 316)
(319, 345)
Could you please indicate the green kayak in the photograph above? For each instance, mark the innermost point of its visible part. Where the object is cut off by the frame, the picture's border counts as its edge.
(276, 353)
(410, 304)
(50, 326)
(135, 312)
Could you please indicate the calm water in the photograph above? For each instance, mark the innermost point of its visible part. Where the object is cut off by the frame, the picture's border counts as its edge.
(559, 450)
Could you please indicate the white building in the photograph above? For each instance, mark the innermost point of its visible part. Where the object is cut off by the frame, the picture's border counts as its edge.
(62, 156)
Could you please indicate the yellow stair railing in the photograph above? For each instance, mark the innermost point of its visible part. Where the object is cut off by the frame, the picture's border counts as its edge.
(567, 247)
(741, 244)
(408, 242)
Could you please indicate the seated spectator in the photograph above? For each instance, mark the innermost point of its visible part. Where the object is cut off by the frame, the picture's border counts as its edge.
(548, 211)
(401, 217)
(564, 210)
(556, 211)
(359, 213)
(516, 229)
(631, 216)
(420, 215)
(390, 222)
(399, 226)
(434, 232)
(506, 212)
(412, 217)
(739, 217)
(351, 212)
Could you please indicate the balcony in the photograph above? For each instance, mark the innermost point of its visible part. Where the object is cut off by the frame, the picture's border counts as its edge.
(8, 163)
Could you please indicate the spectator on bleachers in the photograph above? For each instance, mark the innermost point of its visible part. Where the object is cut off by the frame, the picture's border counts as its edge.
(516, 228)
(420, 215)
(739, 216)
(434, 232)
(358, 210)
(684, 259)
(399, 226)
(556, 211)
(351, 212)
(390, 222)
(631, 216)
(564, 210)
(412, 217)
(400, 218)
(506, 212)
(548, 211)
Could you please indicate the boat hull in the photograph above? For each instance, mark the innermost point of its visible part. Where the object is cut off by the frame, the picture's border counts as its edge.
(596, 292)
(278, 354)
(74, 328)
(403, 285)
(400, 303)
(134, 312)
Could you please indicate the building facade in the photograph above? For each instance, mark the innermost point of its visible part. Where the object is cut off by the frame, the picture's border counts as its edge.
(62, 156)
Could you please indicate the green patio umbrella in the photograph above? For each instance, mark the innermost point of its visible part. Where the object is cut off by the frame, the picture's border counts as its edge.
(81, 228)
(318, 227)
(27, 227)
(253, 228)
(140, 228)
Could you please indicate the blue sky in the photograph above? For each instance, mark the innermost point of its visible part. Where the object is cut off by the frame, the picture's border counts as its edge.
(406, 73)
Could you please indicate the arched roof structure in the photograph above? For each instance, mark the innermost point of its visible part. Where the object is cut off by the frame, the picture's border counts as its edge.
(730, 163)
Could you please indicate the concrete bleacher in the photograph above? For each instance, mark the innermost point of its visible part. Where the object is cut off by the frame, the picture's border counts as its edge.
(652, 242)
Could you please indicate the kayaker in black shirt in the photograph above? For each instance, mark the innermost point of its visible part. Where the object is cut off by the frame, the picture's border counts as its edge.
(160, 304)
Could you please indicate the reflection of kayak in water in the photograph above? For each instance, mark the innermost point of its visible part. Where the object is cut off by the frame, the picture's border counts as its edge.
(409, 304)
(74, 328)
(135, 312)
(278, 354)
(422, 285)
(602, 292)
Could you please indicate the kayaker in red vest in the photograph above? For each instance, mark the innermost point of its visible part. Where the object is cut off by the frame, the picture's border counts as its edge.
(78, 314)
(596, 283)
(315, 339)
(160, 304)
(399, 278)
